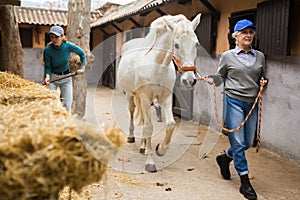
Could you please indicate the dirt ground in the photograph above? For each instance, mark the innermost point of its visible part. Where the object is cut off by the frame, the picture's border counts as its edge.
(183, 173)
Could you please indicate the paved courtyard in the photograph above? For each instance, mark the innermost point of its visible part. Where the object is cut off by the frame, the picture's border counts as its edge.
(188, 170)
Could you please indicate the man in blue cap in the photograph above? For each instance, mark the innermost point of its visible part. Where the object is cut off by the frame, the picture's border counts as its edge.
(242, 69)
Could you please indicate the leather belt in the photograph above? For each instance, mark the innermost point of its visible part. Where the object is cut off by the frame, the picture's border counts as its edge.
(62, 73)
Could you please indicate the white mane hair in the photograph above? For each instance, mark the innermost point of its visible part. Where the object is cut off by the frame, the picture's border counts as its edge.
(158, 27)
(162, 25)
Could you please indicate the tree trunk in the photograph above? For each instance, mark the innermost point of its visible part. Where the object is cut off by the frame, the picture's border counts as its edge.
(78, 32)
(12, 53)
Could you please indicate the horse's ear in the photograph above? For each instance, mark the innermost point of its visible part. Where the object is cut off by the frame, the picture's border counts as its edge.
(196, 21)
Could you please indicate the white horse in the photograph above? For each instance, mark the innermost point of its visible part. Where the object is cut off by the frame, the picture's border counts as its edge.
(146, 73)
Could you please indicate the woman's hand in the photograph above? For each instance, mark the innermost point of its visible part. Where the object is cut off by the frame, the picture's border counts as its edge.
(47, 80)
(81, 70)
(208, 79)
(263, 81)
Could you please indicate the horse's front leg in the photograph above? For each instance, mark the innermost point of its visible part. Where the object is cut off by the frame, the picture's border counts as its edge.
(147, 132)
(162, 148)
(131, 107)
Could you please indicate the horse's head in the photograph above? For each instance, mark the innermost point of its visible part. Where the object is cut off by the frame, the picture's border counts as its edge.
(184, 50)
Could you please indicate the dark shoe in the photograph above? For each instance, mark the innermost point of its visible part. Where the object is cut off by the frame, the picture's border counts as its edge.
(246, 188)
(223, 162)
(255, 142)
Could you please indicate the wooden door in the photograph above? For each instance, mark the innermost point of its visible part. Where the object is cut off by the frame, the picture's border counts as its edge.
(109, 62)
(182, 101)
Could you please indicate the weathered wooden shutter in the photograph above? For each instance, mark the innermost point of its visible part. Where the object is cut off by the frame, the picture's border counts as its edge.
(206, 32)
(273, 27)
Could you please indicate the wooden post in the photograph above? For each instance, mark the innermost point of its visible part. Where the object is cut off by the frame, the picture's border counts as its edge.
(12, 53)
(78, 32)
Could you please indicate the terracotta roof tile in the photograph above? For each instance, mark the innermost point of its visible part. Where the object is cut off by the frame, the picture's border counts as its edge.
(41, 16)
(129, 10)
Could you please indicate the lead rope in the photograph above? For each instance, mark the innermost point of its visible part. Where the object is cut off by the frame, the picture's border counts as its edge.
(259, 97)
(260, 116)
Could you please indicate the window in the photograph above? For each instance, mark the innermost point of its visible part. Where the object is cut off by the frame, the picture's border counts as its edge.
(272, 19)
(47, 39)
(26, 37)
(234, 18)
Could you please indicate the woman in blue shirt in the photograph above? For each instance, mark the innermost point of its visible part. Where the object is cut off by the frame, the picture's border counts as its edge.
(56, 62)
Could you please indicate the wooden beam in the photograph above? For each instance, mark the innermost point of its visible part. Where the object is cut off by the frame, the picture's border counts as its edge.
(10, 2)
(135, 22)
(103, 31)
(211, 9)
(116, 27)
(144, 14)
(162, 13)
(183, 2)
(121, 20)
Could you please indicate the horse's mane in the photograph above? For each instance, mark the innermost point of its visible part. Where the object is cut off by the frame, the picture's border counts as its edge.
(160, 26)
(157, 28)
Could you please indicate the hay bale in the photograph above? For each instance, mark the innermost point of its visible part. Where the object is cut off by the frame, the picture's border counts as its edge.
(14, 89)
(43, 148)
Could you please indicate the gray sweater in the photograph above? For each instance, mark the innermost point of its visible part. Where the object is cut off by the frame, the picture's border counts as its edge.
(241, 81)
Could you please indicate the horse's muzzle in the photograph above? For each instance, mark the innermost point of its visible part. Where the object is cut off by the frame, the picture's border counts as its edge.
(189, 83)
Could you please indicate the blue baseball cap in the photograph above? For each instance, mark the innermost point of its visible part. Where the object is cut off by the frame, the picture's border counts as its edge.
(242, 24)
(57, 30)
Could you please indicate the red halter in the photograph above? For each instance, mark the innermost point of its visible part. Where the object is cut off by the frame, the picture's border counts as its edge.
(183, 69)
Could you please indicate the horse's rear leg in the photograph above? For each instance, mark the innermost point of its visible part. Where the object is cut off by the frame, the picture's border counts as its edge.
(162, 148)
(158, 110)
(131, 107)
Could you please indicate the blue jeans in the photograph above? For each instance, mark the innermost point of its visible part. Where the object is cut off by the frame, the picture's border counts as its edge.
(66, 89)
(241, 140)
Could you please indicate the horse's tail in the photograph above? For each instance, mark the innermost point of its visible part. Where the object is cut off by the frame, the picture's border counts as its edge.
(138, 110)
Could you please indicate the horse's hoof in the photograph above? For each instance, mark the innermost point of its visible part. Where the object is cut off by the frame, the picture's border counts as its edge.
(142, 151)
(157, 152)
(150, 168)
(131, 139)
(160, 152)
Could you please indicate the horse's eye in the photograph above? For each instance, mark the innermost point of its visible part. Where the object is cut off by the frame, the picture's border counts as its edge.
(177, 46)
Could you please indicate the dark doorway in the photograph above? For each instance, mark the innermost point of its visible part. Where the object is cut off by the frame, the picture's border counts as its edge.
(26, 37)
(109, 62)
(182, 101)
